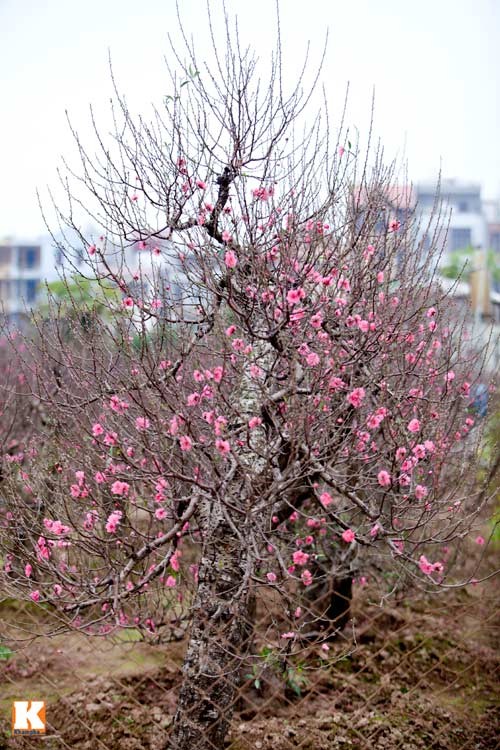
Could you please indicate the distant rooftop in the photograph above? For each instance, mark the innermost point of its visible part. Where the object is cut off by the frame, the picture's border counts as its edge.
(449, 187)
(395, 196)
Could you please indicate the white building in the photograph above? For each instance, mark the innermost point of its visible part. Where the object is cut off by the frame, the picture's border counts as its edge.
(458, 203)
(20, 276)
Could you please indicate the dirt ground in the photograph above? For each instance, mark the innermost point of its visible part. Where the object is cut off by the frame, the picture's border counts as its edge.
(409, 676)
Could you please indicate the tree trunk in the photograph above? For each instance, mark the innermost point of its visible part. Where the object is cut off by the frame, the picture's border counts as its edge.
(219, 634)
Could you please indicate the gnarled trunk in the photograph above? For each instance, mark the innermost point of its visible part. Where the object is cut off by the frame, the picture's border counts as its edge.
(219, 634)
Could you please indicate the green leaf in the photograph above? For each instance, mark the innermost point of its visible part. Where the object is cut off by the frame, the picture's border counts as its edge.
(5, 653)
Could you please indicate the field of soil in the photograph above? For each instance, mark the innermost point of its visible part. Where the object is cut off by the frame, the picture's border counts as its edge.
(409, 675)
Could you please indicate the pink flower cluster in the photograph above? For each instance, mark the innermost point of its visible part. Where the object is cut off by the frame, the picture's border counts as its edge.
(120, 488)
(114, 519)
(427, 567)
(356, 397)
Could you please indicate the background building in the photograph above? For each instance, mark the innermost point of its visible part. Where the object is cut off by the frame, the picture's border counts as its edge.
(20, 277)
(459, 204)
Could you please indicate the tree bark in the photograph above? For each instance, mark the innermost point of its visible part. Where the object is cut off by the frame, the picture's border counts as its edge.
(219, 635)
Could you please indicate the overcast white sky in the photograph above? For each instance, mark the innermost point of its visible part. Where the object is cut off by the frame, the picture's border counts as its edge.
(435, 65)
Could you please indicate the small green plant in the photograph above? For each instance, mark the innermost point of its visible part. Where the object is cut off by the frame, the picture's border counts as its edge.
(295, 679)
(5, 653)
(255, 676)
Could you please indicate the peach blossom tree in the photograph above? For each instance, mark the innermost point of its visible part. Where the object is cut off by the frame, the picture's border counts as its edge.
(277, 393)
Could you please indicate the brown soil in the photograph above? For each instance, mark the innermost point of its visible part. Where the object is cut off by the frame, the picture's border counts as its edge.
(409, 677)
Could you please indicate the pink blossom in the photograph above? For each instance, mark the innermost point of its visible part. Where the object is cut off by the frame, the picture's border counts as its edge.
(421, 491)
(373, 421)
(325, 499)
(160, 513)
(28, 570)
(230, 330)
(127, 302)
(312, 359)
(306, 577)
(222, 446)
(193, 399)
(355, 398)
(400, 454)
(419, 451)
(341, 151)
(156, 304)
(254, 422)
(271, 577)
(374, 530)
(425, 566)
(90, 519)
(288, 635)
(364, 326)
(380, 277)
(414, 425)
(114, 519)
(230, 259)
(35, 596)
(300, 558)
(185, 443)
(348, 536)
(335, 384)
(43, 551)
(394, 225)
(480, 540)
(218, 373)
(238, 345)
(120, 488)
(97, 429)
(142, 423)
(58, 528)
(294, 296)
(316, 320)
(118, 405)
(174, 561)
(384, 478)
(263, 193)
(171, 582)
(226, 236)
(99, 477)
(202, 185)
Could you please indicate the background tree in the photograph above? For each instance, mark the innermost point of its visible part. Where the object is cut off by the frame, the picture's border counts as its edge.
(302, 406)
